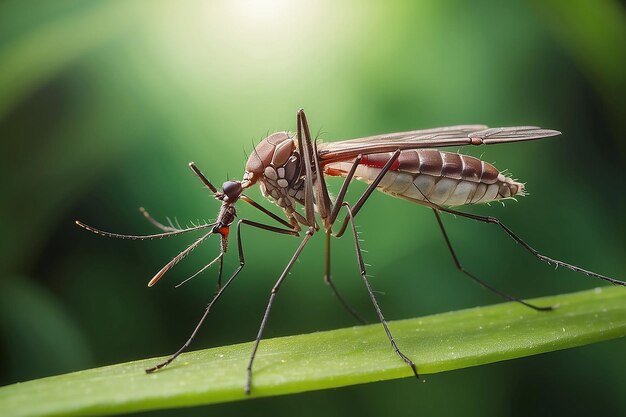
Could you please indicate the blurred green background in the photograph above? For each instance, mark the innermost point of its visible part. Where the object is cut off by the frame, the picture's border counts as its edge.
(103, 104)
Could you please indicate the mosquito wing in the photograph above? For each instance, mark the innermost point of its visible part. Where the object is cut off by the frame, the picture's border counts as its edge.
(429, 138)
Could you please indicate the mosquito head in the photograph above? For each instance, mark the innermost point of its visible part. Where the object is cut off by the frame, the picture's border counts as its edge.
(231, 190)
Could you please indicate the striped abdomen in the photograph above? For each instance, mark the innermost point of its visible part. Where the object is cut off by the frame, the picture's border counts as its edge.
(429, 175)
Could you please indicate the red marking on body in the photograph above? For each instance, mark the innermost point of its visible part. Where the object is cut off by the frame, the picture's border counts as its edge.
(224, 231)
(379, 161)
(333, 172)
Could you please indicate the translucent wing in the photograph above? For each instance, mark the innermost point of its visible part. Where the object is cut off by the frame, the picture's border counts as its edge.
(430, 138)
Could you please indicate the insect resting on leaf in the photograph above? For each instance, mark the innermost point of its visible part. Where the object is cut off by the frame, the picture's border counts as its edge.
(290, 169)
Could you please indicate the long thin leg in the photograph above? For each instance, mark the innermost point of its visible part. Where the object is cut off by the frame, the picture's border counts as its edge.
(322, 199)
(549, 261)
(330, 220)
(324, 204)
(221, 290)
(327, 211)
(273, 293)
(308, 151)
(305, 155)
(265, 211)
(339, 202)
(223, 247)
(478, 280)
(363, 272)
(328, 280)
(262, 226)
(195, 331)
(344, 190)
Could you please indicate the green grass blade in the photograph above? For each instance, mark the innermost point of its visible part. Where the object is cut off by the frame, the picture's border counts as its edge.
(329, 359)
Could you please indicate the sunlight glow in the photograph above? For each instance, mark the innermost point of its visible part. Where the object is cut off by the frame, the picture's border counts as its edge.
(262, 11)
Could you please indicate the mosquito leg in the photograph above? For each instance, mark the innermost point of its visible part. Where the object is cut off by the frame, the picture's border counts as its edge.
(262, 226)
(219, 273)
(197, 328)
(359, 258)
(329, 215)
(305, 154)
(478, 280)
(223, 248)
(329, 218)
(273, 293)
(339, 202)
(221, 290)
(322, 198)
(328, 280)
(549, 261)
(344, 190)
(324, 205)
(383, 171)
(265, 211)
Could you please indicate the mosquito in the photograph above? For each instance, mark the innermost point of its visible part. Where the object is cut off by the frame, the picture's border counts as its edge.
(290, 170)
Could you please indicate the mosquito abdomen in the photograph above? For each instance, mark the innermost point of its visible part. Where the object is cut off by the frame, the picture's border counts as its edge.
(429, 175)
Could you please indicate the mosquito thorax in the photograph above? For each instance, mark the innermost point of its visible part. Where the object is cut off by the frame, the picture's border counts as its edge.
(273, 151)
(276, 165)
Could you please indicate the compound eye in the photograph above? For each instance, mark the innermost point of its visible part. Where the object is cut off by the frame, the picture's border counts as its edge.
(232, 190)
